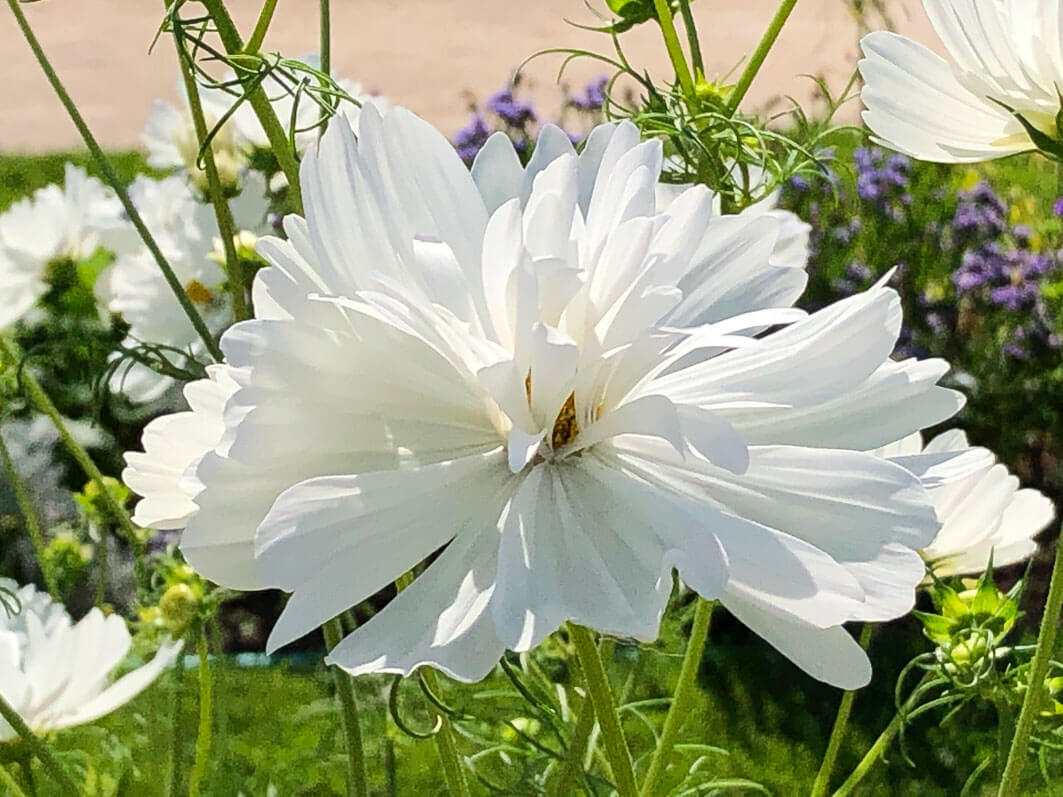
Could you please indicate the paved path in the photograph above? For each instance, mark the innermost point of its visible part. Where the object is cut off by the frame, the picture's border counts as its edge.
(430, 55)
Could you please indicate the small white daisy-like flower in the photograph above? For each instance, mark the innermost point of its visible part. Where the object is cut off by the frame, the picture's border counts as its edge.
(57, 223)
(563, 392)
(1007, 59)
(135, 288)
(55, 672)
(983, 512)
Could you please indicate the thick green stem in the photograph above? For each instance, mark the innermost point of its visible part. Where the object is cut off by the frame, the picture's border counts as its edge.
(29, 517)
(837, 734)
(175, 726)
(39, 399)
(685, 689)
(260, 104)
(756, 61)
(111, 177)
(881, 743)
(675, 48)
(206, 717)
(258, 35)
(38, 748)
(1031, 704)
(601, 697)
(446, 745)
(357, 779)
(222, 211)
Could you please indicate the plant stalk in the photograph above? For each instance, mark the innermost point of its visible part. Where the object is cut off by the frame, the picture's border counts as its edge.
(675, 48)
(767, 41)
(258, 35)
(685, 690)
(39, 749)
(1031, 704)
(357, 778)
(446, 744)
(206, 717)
(601, 697)
(572, 767)
(837, 733)
(111, 177)
(692, 38)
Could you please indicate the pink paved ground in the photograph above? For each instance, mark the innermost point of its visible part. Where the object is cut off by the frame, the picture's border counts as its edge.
(425, 54)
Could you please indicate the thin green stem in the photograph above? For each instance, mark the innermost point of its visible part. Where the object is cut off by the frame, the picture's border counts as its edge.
(222, 211)
(111, 178)
(675, 48)
(260, 104)
(692, 37)
(10, 785)
(39, 399)
(685, 689)
(1031, 704)
(756, 61)
(204, 735)
(103, 571)
(325, 40)
(39, 749)
(881, 743)
(572, 767)
(29, 517)
(357, 779)
(601, 697)
(837, 734)
(446, 744)
(258, 35)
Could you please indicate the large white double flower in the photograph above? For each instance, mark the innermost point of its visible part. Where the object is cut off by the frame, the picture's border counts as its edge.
(1007, 57)
(562, 391)
(54, 672)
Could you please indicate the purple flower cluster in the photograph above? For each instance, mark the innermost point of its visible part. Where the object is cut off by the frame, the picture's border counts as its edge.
(592, 98)
(980, 215)
(513, 112)
(883, 180)
(471, 138)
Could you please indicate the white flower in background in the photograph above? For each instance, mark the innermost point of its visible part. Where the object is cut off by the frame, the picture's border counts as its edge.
(135, 288)
(54, 672)
(538, 373)
(56, 223)
(1006, 54)
(981, 508)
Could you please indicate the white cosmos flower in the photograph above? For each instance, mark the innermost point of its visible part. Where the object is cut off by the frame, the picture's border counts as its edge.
(538, 373)
(1004, 53)
(134, 286)
(54, 672)
(55, 223)
(982, 511)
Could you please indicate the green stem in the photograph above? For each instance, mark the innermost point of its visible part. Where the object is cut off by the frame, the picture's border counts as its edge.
(38, 748)
(692, 37)
(103, 571)
(29, 516)
(685, 689)
(260, 104)
(325, 41)
(222, 211)
(572, 767)
(767, 41)
(601, 697)
(357, 779)
(7, 780)
(1046, 643)
(881, 743)
(206, 717)
(111, 177)
(675, 49)
(258, 35)
(446, 744)
(39, 398)
(837, 734)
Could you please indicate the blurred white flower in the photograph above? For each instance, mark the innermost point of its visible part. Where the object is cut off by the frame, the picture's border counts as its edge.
(54, 672)
(1006, 54)
(56, 223)
(134, 287)
(535, 372)
(981, 508)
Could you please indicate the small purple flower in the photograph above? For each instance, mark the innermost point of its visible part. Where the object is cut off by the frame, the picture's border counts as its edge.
(592, 98)
(1058, 207)
(512, 111)
(471, 138)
